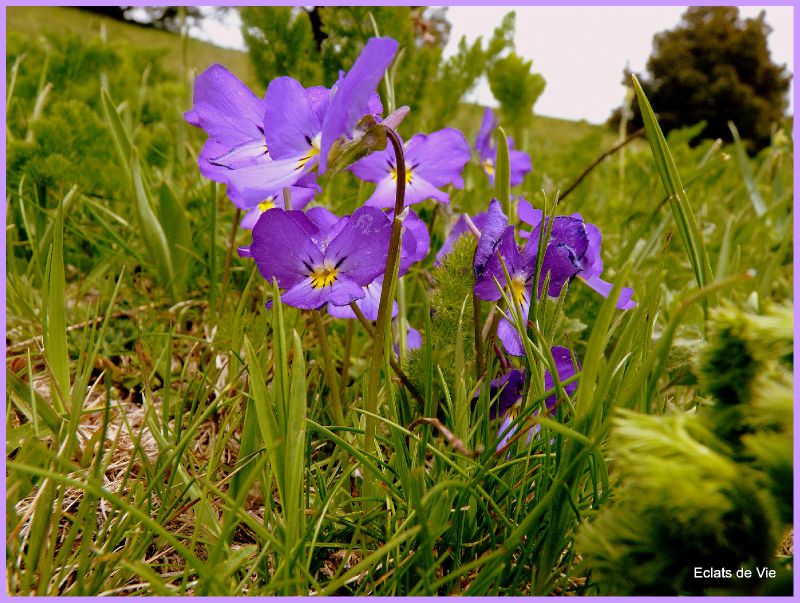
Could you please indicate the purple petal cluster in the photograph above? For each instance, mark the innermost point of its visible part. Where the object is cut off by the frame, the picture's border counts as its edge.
(519, 161)
(261, 147)
(415, 245)
(511, 387)
(431, 161)
(572, 250)
(320, 262)
(269, 152)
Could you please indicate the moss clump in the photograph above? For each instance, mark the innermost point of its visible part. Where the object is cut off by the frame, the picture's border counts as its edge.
(453, 284)
(711, 489)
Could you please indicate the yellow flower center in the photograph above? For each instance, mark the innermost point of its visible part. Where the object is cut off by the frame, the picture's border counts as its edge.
(323, 276)
(488, 165)
(408, 175)
(517, 289)
(266, 204)
(313, 151)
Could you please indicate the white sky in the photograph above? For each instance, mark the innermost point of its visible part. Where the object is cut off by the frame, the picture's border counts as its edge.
(580, 51)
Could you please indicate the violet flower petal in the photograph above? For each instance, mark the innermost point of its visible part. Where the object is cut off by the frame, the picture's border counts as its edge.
(282, 247)
(300, 198)
(496, 223)
(510, 338)
(225, 108)
(290, 122)
(519, 164)
(241, 155)
(624, 301)
(307, 297)
(438, 157)
(413, 339)
(368, 304)
(485, 285)
(254, 183)
(527, 213)
(483, 141)
(352, 95)
(360, 248)
(416, 229)
(565, 368)
(561, 264)
(458, 229)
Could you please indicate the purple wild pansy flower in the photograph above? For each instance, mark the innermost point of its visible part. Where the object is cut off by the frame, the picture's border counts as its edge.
(591, 264)
(432, 161)
(415, 245)
(319, 266)
(508, 404)
(572, 250)
(233, 118)
(519, 161)
(298, 125)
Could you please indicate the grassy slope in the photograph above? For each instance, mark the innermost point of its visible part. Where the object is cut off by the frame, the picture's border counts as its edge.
(37, 19)
(34, 20)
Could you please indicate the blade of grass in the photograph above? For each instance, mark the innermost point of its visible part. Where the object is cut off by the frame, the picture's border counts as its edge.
(684, 217)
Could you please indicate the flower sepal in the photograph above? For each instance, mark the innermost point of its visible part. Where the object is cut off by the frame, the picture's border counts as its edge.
(369, 136)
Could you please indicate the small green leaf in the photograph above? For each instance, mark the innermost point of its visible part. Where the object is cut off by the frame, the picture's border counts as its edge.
(178, 233)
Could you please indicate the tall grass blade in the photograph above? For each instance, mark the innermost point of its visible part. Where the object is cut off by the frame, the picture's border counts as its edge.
(502, 173)
(55, 322)
(153, 235)
(684, 217)
(747, 175)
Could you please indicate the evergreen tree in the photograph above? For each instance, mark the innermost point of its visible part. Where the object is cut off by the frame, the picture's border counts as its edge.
(716, 67)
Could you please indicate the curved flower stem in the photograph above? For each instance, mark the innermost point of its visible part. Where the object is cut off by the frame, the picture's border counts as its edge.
(330, 374)
(384, 308)
(392, 360)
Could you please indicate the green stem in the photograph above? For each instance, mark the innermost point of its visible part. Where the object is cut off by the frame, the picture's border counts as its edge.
(330, 373)
(212, 248)
(476, 319)
(231, 244)
(392, 360)
(348, 344)
(384, 308)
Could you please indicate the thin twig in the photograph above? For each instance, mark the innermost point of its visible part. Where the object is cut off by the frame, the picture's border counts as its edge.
(392, 360)
(599, 160)
(455, 442)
